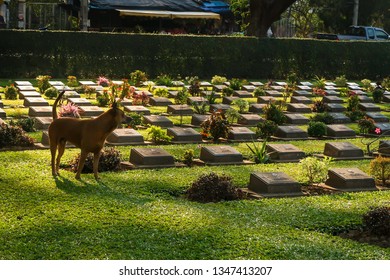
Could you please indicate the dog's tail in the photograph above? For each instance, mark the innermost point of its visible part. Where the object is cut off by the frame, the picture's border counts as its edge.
(54, 111)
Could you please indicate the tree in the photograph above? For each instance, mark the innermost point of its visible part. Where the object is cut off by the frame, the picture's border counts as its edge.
(263, 13)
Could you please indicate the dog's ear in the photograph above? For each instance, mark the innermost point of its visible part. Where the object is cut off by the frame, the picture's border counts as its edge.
(114, 104)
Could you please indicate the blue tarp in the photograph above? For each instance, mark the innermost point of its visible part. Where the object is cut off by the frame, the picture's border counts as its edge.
(215, 7)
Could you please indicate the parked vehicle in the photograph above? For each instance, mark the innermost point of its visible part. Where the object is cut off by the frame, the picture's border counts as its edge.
(358, 33)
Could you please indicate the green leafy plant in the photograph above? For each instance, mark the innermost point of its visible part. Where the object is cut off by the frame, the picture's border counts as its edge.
(138, 77)
(341, 81)
(213, 188)
(380, 169)
(319, 82)
(227, 91)
(232, 115)
(236, 84)
(194, 86)
(316, 129)
(136, 120)
(51, 92)
(353, 102)
(43, 83)
(212, 97)
(164, 80)
(355, 115)
(324, 117)
(314, 170)
(292, 78)
(274, 112)
(259, 151)
(158, 135)
(182, 96)
(377, 221)
(218, 80)
(11, 92)
(14, 136)
(188, 157)
(103, 99)
(319, 106)
(161, 92)
(27, 124)
(386, 83)
(377, 94)
(72, 81)
(266, 129)
(216, 125)
(110, 159)
(366, 84)
(140, 98)
(242, 105)
(200, 108)
(366, 125)
(259, 91)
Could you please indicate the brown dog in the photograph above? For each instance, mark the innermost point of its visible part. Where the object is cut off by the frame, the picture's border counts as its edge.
(87, 134)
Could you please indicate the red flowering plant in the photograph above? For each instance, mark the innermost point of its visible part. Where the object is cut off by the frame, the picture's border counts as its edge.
(319, 92)
(140, 98)
(103, 81)
(70, 110)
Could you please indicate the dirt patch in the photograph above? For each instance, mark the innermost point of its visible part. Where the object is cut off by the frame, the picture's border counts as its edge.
(365, 236)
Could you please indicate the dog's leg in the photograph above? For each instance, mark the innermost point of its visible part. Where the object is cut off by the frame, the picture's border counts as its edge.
(96, 157)
(83, 157)
(61, 149)
(53, 150)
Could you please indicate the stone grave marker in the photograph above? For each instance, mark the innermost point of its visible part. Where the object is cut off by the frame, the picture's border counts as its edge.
(126, 102)
(273, 93)
(23, 83)
(184, 135)
(178, 83)
(304, 87)
(80, 101)
(365, 99)
(360, 93)
(45, 140)
(35, 101)
(229, 99)
(350, 179)
(159, 101)
(278, 88)
(220, 155)
(354, 87)
(208, 93)
(384, 127)
(158, 120)
(386, 98)
(273, 184)
(305, 83)
(331, 92)
(61, 88)
(384, 148)
(219, 88)
(250, 88)
(331, 88)
(327, 83)
(243, 94)
(3, 114)
(88, 83)
(335, 107)
(147, 93)
(151, 158)
(257, 108)
(205, 84)
(42, 123)
(183, 110)
(125, 136)
(302, 93)
(90, 111)
(249, 119)
(343, 150)
(377, 117)
(332, 99)
(222, 107)
(40, 111)
(298, 108)
(256, 83)
(339, 131)
(71, 94)
(137, 109)
(240, 133)
(197, 119)
(290, 132)
(172, 93)
(300, 99)
(296, 119)
(56, 83)
(339, 118)
(265, 99)
(284, 153)
(281, 83)
(197, 100)
(369, 107)
(24, 94)
(26, 88)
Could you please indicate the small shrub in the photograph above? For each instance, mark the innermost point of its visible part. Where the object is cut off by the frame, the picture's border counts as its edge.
(266, 129)
(259, 151)
(140, 98)
(236, 84)
(43, 83)
(164, 80)
(212, 97)
(316, 129)
(274, 112)
(355, 115)
(227, 91)
(138, 77)
(11, 92)
(353, 102)
(319, 92)
(218, 80)
(232, 115)
(14, 136)
(51, 92)
(314, 170)
(366, 125)
(161, 92)
(103, 99)
(27, 124)
(125, 90)
(366, 84)
(188, 157)
(136, 120)
(103, 81)
(194, 88)
(200, 108)
(259, 91)
(319, 82)
(292, 78)
(72, 81)
(242, 105)
(386, 83)
(89, 91)
(377, 221)
(69, 110)
(182, 96)
(158, 135)
(341, 81)
(323, 117)
(110, 159)
(319, 106)
(380, 169)
(216, 125)
(377, 94)
(213, 188)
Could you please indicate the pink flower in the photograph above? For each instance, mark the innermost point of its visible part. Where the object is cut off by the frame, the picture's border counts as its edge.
(377, 130)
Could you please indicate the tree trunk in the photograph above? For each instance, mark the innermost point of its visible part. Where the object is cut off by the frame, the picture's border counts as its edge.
(263, 13)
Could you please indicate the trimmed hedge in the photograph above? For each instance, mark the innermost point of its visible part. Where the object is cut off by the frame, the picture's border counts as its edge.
(88, 55)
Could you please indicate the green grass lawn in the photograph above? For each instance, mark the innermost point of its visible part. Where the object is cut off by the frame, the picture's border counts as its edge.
(142, 214)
